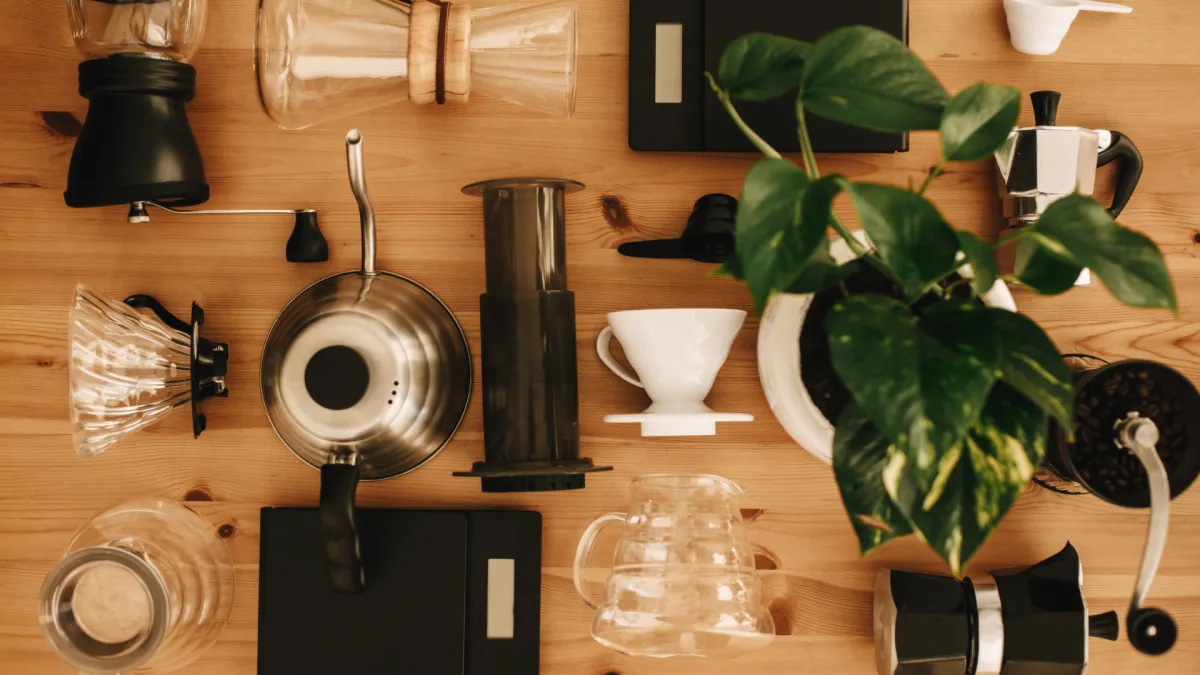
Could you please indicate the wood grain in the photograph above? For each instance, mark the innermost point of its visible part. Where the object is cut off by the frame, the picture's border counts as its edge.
(1134, 73)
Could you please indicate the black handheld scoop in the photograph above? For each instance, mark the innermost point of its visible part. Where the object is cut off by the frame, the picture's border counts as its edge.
(708, 236)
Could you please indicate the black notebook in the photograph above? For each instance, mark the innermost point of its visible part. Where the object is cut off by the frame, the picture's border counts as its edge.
(693, 119)
(431, 576)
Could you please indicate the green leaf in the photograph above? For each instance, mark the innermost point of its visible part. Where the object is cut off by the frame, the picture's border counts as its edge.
(978, 121)
(767, 241)
(867, 78)
(761, 66)
(979, 481)
(909, 233)
(731, 268)
(818, 273)
(1040, 268)
(1128, 262)
(982, 260)
(819, 270)
(922, 396)
(1016, 348)
(860, 453)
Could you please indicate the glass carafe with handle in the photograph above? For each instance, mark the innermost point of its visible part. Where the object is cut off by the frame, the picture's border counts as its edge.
(683, 580)
(144, 587)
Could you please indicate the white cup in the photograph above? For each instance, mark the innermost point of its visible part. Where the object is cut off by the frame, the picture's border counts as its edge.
(1038, 26)
(676, 353)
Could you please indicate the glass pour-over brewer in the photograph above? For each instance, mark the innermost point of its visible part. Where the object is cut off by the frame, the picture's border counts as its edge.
(319, 60)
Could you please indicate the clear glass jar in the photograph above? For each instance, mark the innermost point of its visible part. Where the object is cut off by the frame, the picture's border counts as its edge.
(144, 587)
(169, 29)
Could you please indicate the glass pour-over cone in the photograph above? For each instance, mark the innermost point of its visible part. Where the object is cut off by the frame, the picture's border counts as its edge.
(320, 60)
(128, 369)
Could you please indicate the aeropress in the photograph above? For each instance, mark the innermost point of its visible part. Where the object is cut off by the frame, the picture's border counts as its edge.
(136, 146)
(527, 315)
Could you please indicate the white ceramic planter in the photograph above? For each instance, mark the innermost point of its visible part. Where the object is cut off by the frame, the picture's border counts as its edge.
(779, 360)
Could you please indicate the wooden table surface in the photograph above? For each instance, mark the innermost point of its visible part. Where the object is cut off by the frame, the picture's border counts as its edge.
(1134, 73)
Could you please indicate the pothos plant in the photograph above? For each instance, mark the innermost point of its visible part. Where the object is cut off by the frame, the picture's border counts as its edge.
(950, 399)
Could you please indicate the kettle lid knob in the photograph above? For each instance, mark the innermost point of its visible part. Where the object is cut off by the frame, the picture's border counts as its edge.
(1045, 107)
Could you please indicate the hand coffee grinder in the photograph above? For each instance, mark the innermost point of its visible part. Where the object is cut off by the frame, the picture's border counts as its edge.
(136, 146)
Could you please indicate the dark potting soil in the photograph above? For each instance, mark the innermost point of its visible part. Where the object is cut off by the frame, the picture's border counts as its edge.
(816, 368)
(1114, 473)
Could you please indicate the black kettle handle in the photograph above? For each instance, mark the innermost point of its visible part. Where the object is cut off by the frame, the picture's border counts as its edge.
(339, 527)
(1130, 170)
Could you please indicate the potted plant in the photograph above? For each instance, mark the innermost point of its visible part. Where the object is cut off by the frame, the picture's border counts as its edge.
(947, 399)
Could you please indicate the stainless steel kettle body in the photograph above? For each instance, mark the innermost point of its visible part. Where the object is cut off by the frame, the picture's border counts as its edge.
(1037, 165)
(364, 374)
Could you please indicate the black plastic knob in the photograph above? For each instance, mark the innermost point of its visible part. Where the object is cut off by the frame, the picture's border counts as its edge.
(1106, 626)
(1045, 107)
(1151, 630)
(307, 244)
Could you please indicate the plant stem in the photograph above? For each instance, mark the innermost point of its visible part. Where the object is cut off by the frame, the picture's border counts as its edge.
(763, 147)
(933, 173)
(851, 241)
(810, 160)
(948, 291)
(1007, 237)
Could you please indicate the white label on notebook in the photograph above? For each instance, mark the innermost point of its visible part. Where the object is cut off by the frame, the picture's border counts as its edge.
(500, 593)
(668, 63)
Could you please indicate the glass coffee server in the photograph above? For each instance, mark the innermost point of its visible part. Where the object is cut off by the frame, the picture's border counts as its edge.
(144, 587)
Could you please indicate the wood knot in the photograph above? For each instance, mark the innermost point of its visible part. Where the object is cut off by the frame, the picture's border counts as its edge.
(62, 123)
(765, 560)
(1196, 238)
(19, 184)
(45, 363)
(781, 613)
(751, 515)
(226, 530)
(614, 213)
(198, 494)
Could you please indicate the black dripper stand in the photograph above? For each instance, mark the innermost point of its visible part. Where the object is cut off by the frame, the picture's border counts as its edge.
(208, 359)
(1136, 444)
(527, 315)
(708, 236)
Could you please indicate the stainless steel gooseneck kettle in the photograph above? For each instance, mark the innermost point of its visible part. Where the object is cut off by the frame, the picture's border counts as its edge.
(1042, 163)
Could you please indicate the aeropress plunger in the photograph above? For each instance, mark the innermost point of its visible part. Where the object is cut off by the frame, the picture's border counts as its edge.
(530, 383)
(1136, 443)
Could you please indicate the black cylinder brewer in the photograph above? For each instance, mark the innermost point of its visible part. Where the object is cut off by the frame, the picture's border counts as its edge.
(527, 316)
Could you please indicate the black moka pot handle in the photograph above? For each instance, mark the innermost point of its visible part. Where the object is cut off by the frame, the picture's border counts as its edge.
(1129, 171)
(339, 526)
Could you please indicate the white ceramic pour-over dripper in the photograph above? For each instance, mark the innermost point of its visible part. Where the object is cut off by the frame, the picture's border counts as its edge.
(676, 354)
(1038, 26)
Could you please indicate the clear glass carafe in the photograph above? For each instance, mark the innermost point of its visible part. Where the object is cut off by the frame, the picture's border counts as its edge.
(169, 29)
(683, 581)
(144, 587)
